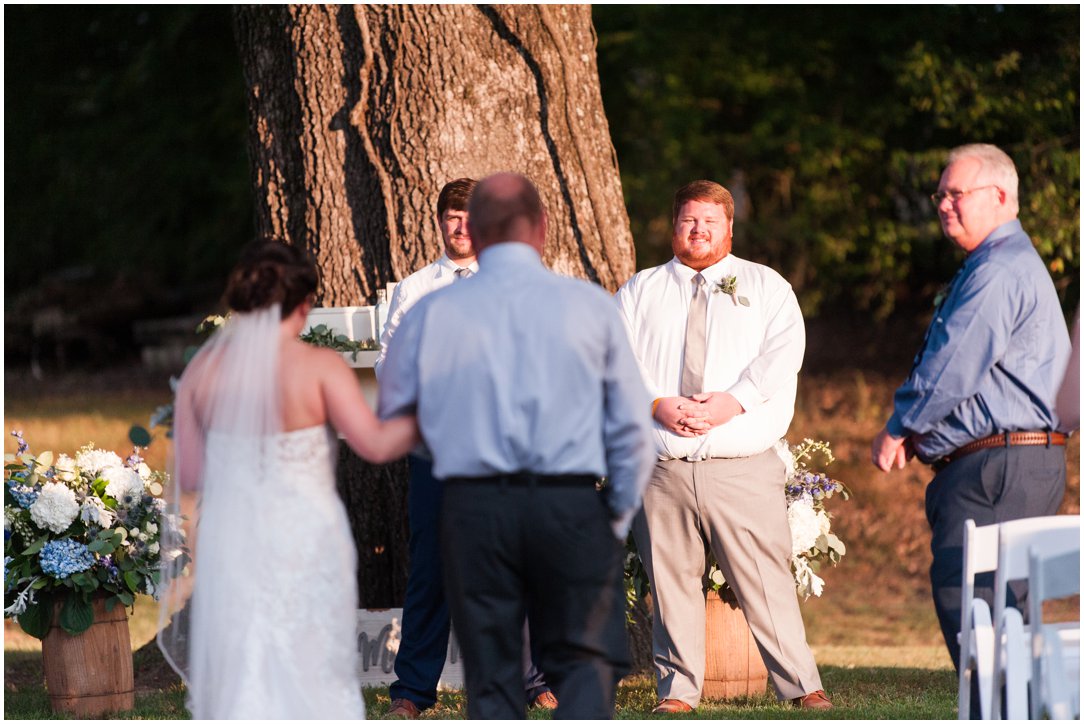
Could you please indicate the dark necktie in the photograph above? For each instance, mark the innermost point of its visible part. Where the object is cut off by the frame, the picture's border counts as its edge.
(696, 329)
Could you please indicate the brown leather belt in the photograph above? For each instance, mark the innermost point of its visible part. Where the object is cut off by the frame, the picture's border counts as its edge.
(1004, 439)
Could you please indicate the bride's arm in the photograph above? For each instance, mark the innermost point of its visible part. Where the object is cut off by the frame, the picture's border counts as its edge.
(187, 438)
(350, 414)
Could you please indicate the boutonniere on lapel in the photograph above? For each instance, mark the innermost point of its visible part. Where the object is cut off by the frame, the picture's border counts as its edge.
(729, 285)
(940, 298)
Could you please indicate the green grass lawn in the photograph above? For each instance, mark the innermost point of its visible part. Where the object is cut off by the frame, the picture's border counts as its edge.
(859, 692)
(874, 631)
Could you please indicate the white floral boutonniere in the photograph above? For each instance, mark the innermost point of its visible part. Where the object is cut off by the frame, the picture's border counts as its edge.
(729, 285)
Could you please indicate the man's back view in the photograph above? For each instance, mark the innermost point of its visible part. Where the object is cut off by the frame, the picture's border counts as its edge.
(527, 393)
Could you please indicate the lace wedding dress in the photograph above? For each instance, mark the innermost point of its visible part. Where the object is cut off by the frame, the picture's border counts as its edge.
(274, 606)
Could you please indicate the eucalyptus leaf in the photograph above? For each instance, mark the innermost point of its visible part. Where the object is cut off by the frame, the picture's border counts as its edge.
(139, 436)
(132, 579)
(99, 546)
(126, 598)
(36, 546)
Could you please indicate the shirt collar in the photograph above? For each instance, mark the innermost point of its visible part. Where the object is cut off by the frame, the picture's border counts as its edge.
(712, 274)
(508, 254)
(447, 264)
(995, 238)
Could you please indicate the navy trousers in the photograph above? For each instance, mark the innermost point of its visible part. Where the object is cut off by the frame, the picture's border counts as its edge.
(547, 552)
(989, 486)
(423, 646)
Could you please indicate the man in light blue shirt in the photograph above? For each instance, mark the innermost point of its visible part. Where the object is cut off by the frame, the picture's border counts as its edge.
(527, 393)
(979, 402)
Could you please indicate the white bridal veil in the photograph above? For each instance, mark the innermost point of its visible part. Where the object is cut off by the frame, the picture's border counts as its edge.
(226, 411)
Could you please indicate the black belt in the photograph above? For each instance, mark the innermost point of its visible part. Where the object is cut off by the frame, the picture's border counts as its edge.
(528, 479)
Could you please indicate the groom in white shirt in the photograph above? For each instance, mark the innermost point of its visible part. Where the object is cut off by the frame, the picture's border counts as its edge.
(720, 341)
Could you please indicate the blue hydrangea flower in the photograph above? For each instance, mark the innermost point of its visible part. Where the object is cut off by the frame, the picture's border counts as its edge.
(24, 495)
(61, 558)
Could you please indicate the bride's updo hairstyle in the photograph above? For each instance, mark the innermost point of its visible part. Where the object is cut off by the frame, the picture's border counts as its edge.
(271, 271)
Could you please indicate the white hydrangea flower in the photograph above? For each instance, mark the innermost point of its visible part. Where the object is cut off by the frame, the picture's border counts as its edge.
(122, 482)
(152, 528)
(94, 511)
(782, 449)
(144, 471)
(153, 548)
(804, 525)
(94, 462)
(55, 508)
(66, 469)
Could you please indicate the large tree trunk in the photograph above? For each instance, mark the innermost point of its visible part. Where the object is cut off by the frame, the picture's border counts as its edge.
(360, 114)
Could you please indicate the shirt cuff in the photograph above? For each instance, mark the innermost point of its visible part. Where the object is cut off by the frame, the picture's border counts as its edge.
(895, 427)
(747, 395)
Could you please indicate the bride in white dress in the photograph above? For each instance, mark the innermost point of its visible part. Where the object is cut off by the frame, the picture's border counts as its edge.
(269, 632)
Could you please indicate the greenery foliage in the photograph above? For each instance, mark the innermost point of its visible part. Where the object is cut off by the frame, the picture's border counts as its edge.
(126, 131)
(323, 336)
(831, 124)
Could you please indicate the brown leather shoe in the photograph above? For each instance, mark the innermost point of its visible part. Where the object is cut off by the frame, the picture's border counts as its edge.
(545, 700)
(402, 709)
(813, 700)
(672, 706)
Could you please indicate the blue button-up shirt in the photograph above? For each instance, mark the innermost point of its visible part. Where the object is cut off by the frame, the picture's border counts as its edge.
(994, 354)
(518, 369)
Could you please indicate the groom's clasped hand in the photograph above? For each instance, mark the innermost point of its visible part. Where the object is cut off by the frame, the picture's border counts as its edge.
(697, 414)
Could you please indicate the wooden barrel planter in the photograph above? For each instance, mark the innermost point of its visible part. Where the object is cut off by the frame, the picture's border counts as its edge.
(733, 666)
(90, 674)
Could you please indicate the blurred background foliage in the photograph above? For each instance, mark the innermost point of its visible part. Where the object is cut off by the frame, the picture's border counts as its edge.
(127, 191)
(831, 124)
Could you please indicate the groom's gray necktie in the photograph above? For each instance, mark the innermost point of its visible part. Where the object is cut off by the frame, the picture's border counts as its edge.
(696, 330)
(462, 273)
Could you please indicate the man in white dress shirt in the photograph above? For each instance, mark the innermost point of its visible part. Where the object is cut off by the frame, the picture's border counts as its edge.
(527, 393)
(720, 341)
(423, 647)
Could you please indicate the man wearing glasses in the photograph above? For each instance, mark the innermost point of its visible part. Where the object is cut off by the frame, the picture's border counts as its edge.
(979, 402)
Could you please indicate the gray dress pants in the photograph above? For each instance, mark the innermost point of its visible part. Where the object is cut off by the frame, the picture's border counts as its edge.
(736, 507)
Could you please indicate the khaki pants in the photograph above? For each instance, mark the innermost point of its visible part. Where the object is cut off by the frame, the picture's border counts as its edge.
(736, 507)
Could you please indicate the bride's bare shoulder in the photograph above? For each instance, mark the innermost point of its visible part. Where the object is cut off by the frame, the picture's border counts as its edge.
(315, 359)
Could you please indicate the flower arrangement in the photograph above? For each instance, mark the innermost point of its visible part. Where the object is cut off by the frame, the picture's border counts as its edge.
(79, 527)
(812, 541)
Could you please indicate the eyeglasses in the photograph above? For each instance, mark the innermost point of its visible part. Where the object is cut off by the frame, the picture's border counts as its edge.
(955, 196)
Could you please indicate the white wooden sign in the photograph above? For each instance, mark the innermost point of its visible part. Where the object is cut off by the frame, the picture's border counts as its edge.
(378, 643)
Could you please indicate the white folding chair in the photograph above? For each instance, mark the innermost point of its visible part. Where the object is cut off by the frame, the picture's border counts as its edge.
(1017, 664)
(1055, 648)
(976, 635)
(1052, 534)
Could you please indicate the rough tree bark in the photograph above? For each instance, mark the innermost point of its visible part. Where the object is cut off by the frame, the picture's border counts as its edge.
(360, 114)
